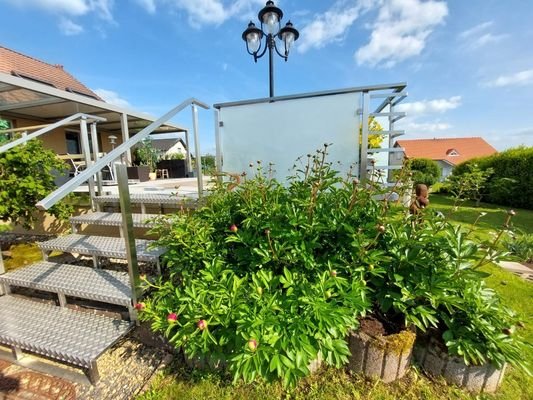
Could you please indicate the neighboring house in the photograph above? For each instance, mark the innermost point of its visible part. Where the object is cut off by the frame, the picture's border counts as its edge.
(33, 92)
(169, 144)
(447, 152)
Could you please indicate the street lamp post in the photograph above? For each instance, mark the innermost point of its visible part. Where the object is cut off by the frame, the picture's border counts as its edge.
(270, 17)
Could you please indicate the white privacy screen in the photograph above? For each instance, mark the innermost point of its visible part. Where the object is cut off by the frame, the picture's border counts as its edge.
(282, 131)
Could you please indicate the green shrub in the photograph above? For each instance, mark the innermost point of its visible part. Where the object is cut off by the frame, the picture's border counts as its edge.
(433, 280)
(511, 183)
(264, 278)
(26, 177)
(520, 244)
(471, 184)
(424, 171)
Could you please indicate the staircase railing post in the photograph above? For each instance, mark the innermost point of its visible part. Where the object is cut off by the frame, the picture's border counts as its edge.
(127, 230)
(96, 151)
(87, 156)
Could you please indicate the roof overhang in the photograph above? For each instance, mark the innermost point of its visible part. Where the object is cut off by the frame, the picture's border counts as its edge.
(24, 99)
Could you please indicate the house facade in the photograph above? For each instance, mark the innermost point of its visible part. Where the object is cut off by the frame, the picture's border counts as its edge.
(447, 152)
(35, 93)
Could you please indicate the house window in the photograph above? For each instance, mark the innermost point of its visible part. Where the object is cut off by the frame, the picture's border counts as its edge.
(73, 142)
(452, 153)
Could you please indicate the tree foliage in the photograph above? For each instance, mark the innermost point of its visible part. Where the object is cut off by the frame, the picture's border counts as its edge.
(424, 171)
(374, 139)
(511, 183)
(471, 184)
(27, 176)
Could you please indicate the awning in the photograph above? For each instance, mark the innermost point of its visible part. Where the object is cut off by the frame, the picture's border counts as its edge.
(22, 98)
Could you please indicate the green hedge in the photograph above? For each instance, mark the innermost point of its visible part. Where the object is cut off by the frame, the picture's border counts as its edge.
(512, 181)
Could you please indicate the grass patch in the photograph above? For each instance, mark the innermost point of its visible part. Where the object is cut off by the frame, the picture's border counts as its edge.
(178, 382)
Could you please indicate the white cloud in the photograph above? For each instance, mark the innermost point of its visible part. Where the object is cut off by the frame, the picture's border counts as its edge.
(424, 127)
(401, 31)
(112, 98)
(214, 12)
(479, 36)
(519, 78)
(148, 5)
(102, 8)
(476, 30)
(330, 26)
(70, 7)
(69, 27)
(430, 106)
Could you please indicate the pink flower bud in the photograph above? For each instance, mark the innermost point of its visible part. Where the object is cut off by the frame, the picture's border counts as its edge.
(233, 228)
(252, 344)
(172, 317)
(202, 324)
(140, 306)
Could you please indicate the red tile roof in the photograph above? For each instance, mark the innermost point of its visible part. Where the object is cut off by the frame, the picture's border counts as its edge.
(17, 64)
(440, 149)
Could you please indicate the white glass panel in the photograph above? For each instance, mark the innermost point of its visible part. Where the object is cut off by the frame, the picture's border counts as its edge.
(281, 132)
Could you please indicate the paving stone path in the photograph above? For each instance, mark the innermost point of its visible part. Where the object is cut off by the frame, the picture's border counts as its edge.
(518, 269)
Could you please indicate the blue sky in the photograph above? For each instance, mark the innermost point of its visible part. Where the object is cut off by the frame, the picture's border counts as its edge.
(468, 64)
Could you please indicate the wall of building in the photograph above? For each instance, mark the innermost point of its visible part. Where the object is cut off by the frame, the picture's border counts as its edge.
(446, 169)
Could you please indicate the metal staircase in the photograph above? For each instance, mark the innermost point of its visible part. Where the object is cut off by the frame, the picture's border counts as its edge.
(73, 336)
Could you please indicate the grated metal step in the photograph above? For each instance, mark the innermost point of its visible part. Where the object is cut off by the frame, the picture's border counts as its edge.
(65, 335)
(142, 198)
(113, 219)
(101, 246)
(106, 286)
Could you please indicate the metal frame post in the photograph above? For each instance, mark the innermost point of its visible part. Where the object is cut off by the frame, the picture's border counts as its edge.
(87, 155)
(127, 229)
(363, 163)
(125, 135)
(218, 142)
(96, 150)
(391, 139)
(197, 151)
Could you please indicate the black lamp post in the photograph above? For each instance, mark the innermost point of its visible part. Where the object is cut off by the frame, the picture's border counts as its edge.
(270, 17)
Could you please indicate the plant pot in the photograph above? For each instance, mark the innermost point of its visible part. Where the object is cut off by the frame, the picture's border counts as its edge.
(140, 172)
(386, 357)
(152, 176)
(432, 357)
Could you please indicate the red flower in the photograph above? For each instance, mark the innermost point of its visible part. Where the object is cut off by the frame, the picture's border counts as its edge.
(233, 228)
(140, 306)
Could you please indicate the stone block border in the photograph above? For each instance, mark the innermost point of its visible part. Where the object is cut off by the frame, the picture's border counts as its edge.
(384, 357)
(436, 362)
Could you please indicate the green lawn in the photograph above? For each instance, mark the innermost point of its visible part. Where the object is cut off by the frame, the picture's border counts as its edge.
(178, 382)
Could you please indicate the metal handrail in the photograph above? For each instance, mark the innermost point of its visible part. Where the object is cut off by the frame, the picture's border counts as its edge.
(49, 128)
(79, 179)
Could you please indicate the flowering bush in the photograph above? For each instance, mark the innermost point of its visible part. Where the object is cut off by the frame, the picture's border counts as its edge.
(266, 278)
(276, 273)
